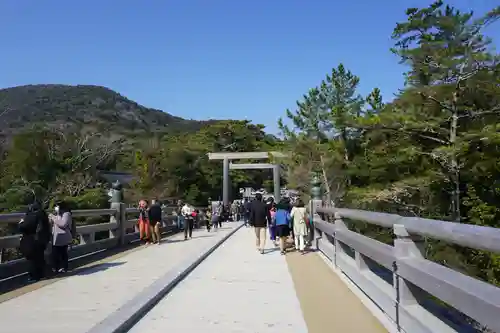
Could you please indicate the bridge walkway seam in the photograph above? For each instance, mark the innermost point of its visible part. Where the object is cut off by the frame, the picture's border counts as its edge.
(87, 298)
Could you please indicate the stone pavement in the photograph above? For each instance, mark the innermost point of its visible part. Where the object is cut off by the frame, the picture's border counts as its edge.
(77, 303)
(236, 289)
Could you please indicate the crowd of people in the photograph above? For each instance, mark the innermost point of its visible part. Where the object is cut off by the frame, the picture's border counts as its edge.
(281, 220)
(41, 231)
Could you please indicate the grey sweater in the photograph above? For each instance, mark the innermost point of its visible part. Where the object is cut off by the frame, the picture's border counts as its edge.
(61, 229)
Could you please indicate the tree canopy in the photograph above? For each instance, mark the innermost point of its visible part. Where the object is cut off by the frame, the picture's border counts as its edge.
(433, 151)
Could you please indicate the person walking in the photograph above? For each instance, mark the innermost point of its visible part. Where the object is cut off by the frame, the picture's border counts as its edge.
(246, 211)
(272, 225)
(144, 225)
(61, 236)
(299, 217)
(155, 218)
(180, 217)
(187, 212)
(35, 236)
(208, 219)
(282, 222)
(219, 214)
(259, 219)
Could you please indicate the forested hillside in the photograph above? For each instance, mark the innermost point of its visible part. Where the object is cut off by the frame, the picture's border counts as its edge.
(432, 152)
(57, 139)
(94, 107)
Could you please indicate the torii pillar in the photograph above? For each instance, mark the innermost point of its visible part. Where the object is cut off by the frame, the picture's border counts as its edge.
(229, 156)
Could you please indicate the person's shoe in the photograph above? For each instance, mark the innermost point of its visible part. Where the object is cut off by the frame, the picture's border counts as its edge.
(261, 251)
(282, 253)
(62, 270)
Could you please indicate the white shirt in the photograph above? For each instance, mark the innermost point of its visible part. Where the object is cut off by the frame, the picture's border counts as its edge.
(186, 210)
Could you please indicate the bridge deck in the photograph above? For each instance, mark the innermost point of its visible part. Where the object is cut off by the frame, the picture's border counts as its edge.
(234, 289)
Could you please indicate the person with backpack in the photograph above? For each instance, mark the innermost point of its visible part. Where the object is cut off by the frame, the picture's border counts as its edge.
(35, 236)
(63, 231)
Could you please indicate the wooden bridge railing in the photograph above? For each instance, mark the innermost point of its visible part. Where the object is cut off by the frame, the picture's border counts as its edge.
(400, 280)
(121, 227)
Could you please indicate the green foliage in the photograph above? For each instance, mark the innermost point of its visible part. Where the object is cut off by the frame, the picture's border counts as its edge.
(90, 199)
(59, 138)
(432, 151)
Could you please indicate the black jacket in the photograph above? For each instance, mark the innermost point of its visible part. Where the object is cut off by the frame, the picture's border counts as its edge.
(259, 214)
(155, 213)
(35, 230)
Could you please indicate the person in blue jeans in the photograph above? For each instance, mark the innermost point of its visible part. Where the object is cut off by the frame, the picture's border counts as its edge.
(282, 222)
(180, 221)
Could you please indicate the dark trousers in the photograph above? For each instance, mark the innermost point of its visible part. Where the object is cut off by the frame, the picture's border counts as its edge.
(188, 227)
(310, 234)
(36, 262)
(60, 257)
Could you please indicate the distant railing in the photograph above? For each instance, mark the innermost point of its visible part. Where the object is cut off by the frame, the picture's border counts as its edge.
(122, 230)
(399, 280)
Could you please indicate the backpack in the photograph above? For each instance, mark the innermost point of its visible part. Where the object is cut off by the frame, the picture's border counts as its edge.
(43, 232)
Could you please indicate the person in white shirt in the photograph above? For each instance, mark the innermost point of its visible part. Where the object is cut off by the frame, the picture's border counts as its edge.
(299, 216)
(187, 212)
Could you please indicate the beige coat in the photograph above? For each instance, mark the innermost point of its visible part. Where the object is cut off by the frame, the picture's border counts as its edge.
(299, 215)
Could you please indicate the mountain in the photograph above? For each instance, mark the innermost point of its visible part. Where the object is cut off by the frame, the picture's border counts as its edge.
(95, 107)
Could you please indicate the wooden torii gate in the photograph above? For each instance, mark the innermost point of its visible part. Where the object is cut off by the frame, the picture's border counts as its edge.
(227, 157)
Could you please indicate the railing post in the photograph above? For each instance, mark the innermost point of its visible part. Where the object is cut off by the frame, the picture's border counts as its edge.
(339, 225)
(120, 219)
(87, 238)
(405, 246)
(313, 238)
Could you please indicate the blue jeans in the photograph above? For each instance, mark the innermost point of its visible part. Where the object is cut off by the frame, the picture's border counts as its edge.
(180, 221)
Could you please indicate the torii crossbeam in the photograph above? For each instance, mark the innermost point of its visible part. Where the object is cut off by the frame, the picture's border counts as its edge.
(229, 156)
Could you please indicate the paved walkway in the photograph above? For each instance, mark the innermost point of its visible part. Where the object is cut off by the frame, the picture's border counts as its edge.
(77, 303)
(236, 289)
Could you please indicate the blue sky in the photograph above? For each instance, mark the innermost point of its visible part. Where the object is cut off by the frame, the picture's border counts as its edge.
(199, 59)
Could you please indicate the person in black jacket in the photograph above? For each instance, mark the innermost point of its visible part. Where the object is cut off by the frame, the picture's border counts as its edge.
(155, 217)
(259, 219)
(35, 235)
